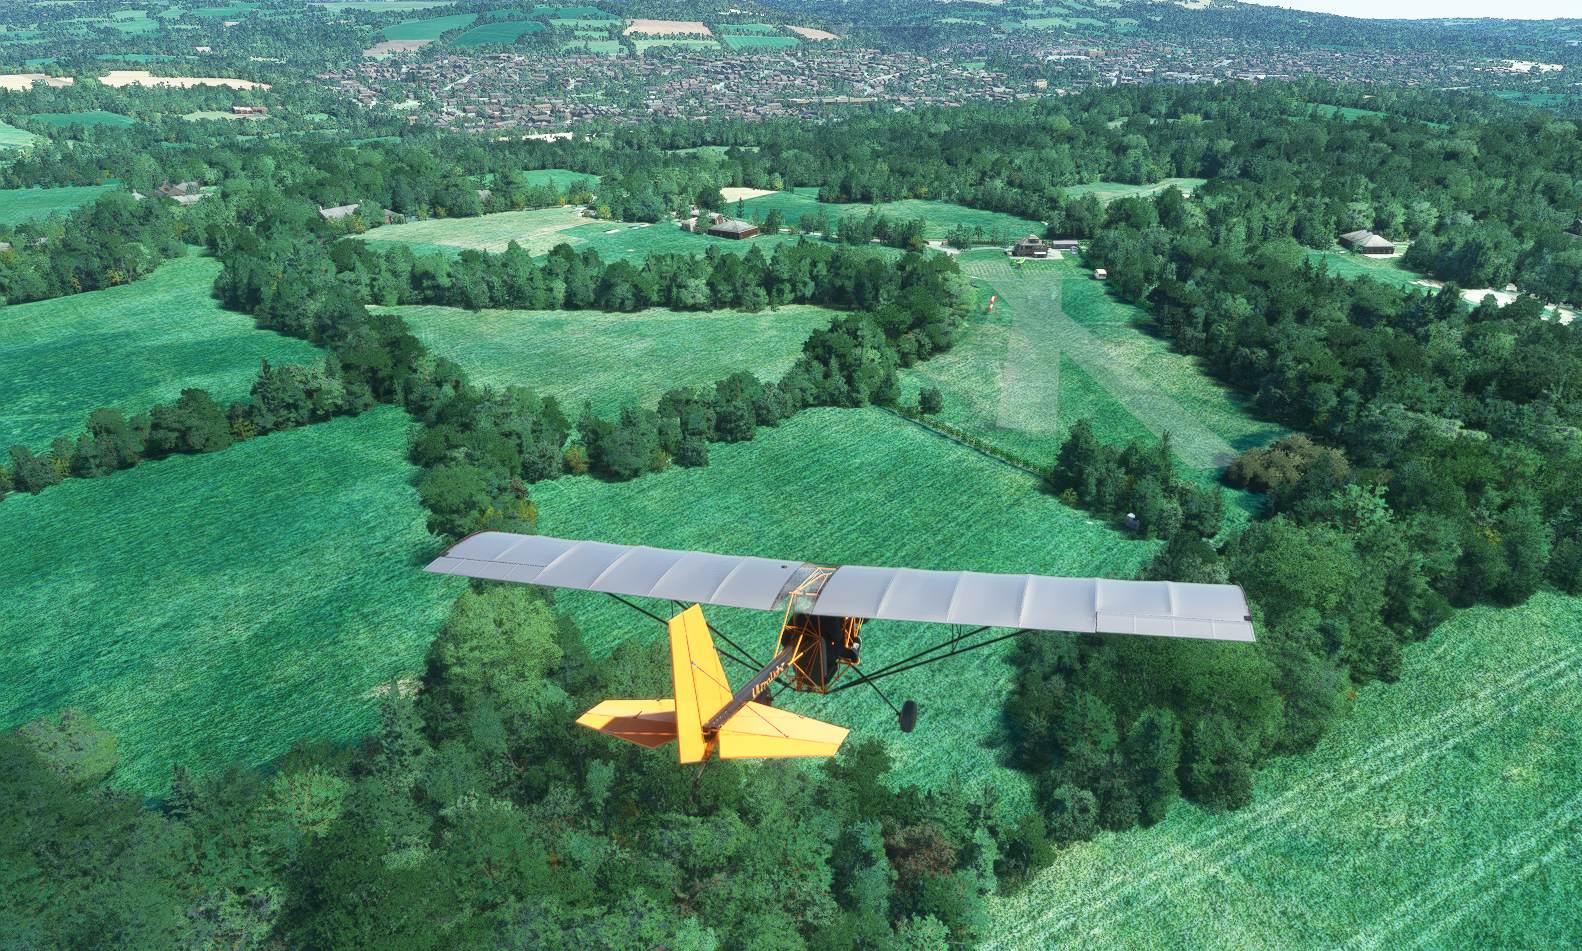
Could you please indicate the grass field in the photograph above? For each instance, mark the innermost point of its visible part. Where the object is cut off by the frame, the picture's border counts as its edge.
(227, 604)
(215, 114)
(1019, 382)
(644, 46)
(382, 6)
(614, 359)
(1444, 813)
(760, 42)
(536, 231)
(633, 244)
(429, 29)
(508, 32)
(853, 487)
(13, 138)
(18, 204)
(604, 47)
(939, 216)
(559, 177)
(748, 28)
(128, 347)
(1350, 265)
(93, 118)
(1109, 191)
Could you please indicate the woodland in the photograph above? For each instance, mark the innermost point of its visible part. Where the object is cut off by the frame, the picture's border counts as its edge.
(1434, 459)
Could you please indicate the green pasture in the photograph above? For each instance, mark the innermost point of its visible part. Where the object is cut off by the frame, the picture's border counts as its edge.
(644, 46)
(1109, 191)
(600, 23)
(382, 6)
(614, 359)
(214, 608)
(749, 28)
(229, 10)
(559, 177)
(1445, 812)
(853, 487)
(429, 29)
(1351, 265)
(534, 230)
(136, 25)
(128, 347)
(18, 204)
(633, 244)
(215, 114)
(774, 42)
(92, 118)
(605, 47)
(1019, 379)
(13, 138)
(508, 32)
(577, 13)
(940, 217)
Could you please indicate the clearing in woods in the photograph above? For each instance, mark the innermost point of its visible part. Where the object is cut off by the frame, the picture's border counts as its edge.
(128, 347)
(616, 358)
(1042, 336)
(783, 495)
(242, 599)
(1443, 812)
(17, 204)
(536, 231)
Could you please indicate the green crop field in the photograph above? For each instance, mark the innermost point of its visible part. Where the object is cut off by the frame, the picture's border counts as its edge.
(13, 138)
(228, 603)
(1348, 264)
(749, 28)
(93, 118)
(559, 177)
(644, 46)
(572, 23)
(1109, 191)
(853, 487)
(537, 231)
(939, 216)
(429, 29)
(508, 32)
(761, 42)
(1443, 813)
(128, 347)
(18, 204)
(614, 359)
(381, 6)
(215, 114)
(1020, 378)
(604, 47)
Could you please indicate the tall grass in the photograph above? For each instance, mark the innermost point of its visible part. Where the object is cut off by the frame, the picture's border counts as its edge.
(1445, 812)
(128, 347)
(215, 608)
(854, 487)
(613, 359)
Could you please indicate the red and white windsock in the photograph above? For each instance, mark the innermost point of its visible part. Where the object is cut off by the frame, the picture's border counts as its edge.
(992, 301)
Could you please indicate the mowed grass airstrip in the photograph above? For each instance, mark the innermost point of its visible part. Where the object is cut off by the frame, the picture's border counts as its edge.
(1445, 812)
(128, 347)
(614, 359)
(214, 608)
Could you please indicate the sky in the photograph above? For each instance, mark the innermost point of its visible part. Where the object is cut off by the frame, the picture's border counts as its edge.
(1437, 9)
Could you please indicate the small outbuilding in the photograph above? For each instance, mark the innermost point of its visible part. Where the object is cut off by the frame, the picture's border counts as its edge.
(1366, 242)
(1100, 274)
(734, 229)
(1062, 244)
(1031, 246)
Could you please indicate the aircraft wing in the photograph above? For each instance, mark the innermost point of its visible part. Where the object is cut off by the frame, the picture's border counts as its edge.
(977, 599)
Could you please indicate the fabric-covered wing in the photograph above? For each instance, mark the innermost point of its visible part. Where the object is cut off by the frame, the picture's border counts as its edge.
(650, 723)
(701, 687)
(1166, 608)
(764, 731)
(732, 580)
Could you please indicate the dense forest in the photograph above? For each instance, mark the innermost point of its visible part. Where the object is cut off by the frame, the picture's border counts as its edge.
(1434, 466)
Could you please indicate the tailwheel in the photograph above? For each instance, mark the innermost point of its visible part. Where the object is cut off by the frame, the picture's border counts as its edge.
(908, 716)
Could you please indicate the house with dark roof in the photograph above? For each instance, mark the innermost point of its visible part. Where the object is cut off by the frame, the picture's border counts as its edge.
(1366, 242)
(1031, 246)
(733, 228)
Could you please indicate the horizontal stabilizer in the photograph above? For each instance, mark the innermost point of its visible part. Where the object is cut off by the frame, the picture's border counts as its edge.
(650, 723)
(762, 731)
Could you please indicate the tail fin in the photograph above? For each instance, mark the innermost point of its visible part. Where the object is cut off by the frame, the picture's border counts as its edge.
(701, 687)
(760, 730)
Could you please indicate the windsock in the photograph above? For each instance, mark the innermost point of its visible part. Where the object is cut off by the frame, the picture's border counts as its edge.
(992, 301)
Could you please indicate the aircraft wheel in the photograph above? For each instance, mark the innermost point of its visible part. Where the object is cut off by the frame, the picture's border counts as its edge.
(908, 716)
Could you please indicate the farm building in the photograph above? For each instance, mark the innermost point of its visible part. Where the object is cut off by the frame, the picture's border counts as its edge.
(1366, 242)
(1031, 246)
(731, 228)
(1063, 244)
(689, 225)
(340, 212)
